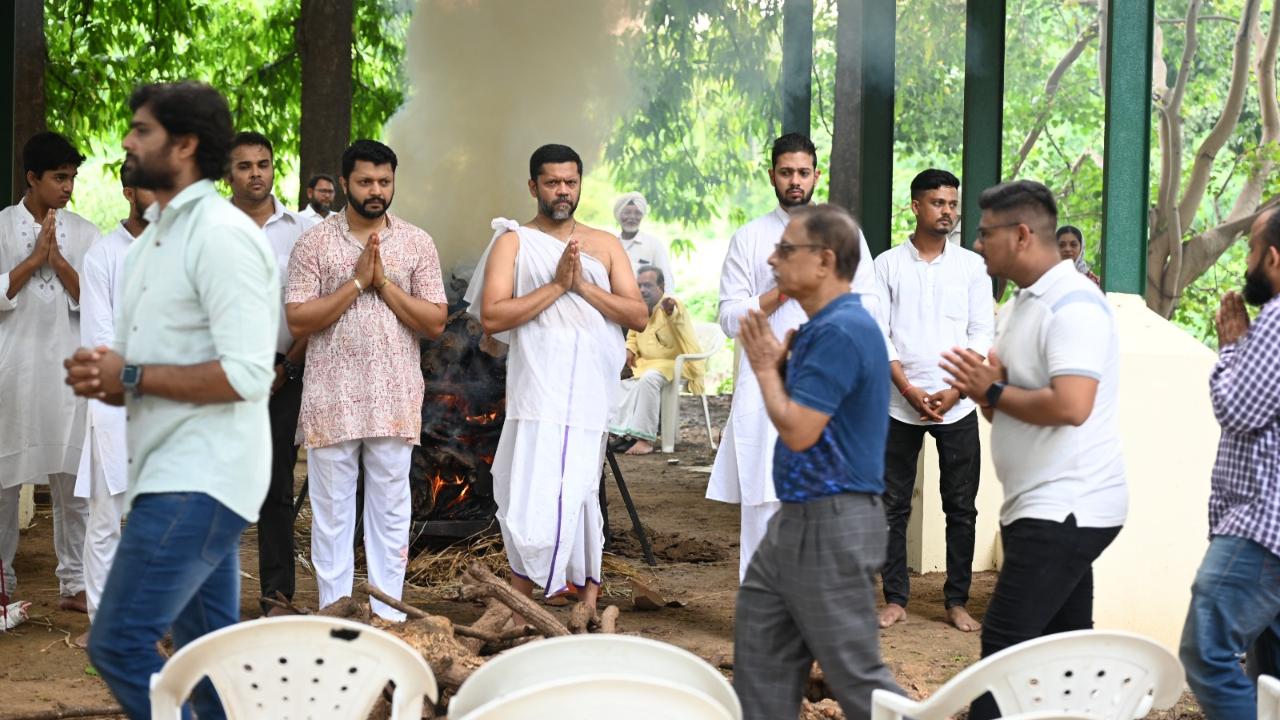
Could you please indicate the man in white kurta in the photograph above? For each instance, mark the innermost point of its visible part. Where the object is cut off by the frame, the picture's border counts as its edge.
(743, 468)
(556, 292)
(103, 476)
(644, 249)
(42, 247)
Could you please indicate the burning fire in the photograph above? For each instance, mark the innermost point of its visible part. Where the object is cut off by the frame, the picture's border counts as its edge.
(439, 483)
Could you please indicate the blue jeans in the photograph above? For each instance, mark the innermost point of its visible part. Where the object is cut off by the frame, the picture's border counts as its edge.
(178, 566)
(1235, 608)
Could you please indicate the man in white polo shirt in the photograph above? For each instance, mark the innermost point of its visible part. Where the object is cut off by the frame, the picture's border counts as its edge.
(1050, 388)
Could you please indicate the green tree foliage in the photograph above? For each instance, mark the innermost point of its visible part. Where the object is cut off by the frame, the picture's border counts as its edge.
(99, 50)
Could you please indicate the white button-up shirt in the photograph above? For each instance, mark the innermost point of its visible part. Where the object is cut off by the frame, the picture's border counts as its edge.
(928, 307)
(646, 250)
(283, 229)
(743, 469)
(200, 284)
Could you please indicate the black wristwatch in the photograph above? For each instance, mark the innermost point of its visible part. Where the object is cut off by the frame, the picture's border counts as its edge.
(131, 379)
(993, 393)
(292, 372)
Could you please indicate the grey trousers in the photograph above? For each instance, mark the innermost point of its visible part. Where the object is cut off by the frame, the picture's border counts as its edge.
(809, 594)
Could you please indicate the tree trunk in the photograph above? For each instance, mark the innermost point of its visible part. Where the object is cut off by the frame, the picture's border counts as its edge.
(846, 153)
(28, 84)
(324, 36)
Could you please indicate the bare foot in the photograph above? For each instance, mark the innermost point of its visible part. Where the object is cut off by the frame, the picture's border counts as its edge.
(892, 614)
(642, 447)
(74, 603)
(82, 642)
(961, 619)
(277, 611)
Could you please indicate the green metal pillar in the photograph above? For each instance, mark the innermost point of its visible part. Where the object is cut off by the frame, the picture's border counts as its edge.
(1127, 153)
(983, 107)
(797, 65)
(879, 25)
(8, 42)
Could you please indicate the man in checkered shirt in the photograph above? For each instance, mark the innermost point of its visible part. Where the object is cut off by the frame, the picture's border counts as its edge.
(1235, 601)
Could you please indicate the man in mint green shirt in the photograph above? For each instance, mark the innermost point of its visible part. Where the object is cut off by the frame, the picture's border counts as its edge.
(193, 364)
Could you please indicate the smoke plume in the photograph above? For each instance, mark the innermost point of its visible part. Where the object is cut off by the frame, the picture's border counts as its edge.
(491, 80)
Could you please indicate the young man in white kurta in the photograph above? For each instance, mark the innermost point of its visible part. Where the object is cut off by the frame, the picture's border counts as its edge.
(743, 469)
(42, 430)
(556, 292)
(103, 476)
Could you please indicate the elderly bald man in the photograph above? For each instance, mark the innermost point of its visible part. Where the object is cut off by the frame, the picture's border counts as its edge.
(644, 249)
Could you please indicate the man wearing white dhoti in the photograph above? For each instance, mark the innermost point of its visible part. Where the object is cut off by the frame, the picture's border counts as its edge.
(103, 476)
(42, 246)
(743, 468)
(556, 292)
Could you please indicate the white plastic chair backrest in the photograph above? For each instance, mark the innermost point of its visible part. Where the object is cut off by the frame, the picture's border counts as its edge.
(297, 667)
(618, 697)
(710, 336)
(1268, 698)
(564, 658)
(1100, 673)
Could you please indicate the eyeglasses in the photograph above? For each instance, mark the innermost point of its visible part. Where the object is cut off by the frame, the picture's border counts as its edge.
(785, 250)
(985, 231)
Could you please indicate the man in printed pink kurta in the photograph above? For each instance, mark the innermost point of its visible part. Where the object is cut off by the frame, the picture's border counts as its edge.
(365, 285)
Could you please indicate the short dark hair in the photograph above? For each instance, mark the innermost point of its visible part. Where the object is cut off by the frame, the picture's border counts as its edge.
(832, 227)
(370, 151)
(792, 143)
(932, 179)
(552, 153)
(1022, 195)
(191, 108)
(662, 279)
(1271, 229)
(249, 138)
(311, 184)
(47, 151)
(1069, 229)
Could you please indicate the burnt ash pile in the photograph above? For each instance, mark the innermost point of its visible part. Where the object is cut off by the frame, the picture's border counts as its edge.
(462, 413)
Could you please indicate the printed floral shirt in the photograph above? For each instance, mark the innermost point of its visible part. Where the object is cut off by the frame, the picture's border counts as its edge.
(363, 376)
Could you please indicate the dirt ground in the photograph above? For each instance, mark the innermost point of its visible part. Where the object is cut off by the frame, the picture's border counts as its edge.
(696, 541)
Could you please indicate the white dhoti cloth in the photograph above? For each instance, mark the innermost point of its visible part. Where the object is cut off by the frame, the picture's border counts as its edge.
(103, 480)
(637, 412)
(562, 378)
(388, 509)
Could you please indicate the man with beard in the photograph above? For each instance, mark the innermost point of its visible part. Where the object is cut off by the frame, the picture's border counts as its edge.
(1050, 388)
(103, 475)
(934, 296)
(556, 292)
(644, 249)
(195, 336)
(364, 286)
(651, 355)
(251, 176)
(1235, 600)
(42, 246)
(320, 193)
(743, 467)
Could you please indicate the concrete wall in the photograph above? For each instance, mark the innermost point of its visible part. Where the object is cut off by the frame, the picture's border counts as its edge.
(1143, 581)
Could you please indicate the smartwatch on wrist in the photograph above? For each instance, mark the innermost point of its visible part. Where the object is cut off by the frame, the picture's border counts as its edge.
(994, 392)
(131, 379)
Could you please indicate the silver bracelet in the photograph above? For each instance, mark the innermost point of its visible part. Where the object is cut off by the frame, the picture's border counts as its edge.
(358, 285)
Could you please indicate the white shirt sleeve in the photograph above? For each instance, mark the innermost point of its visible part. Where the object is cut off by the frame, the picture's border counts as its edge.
(884, 305)
(97, 323)
(982, 311)
(737, 285)
(7, 304)
(663, 261)
(1072, 345)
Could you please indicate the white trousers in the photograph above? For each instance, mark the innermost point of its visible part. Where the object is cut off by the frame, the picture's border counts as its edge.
(70, 514)
(102, 535)
(755, 521)
(638, 409)
(388, 510)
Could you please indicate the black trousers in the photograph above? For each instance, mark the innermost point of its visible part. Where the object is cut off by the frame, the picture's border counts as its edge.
(1045, 587)
(275, 519)
(959, 463)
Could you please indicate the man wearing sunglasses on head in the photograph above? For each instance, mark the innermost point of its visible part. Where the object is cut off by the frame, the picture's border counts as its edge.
(743, 467)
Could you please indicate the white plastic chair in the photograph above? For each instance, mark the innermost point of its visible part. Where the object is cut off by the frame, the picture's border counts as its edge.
(563, 658)
(619, 697)
(1268, 698)
(1099, 673)
(297, 667)
(711, 339)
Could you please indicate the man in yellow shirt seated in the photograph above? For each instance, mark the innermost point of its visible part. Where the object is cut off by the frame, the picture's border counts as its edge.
(651, 355)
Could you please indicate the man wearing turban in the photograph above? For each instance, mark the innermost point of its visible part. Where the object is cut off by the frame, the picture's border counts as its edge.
(643, 248)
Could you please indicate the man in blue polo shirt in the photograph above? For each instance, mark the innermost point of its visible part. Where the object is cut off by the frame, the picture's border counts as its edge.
(809, 592)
